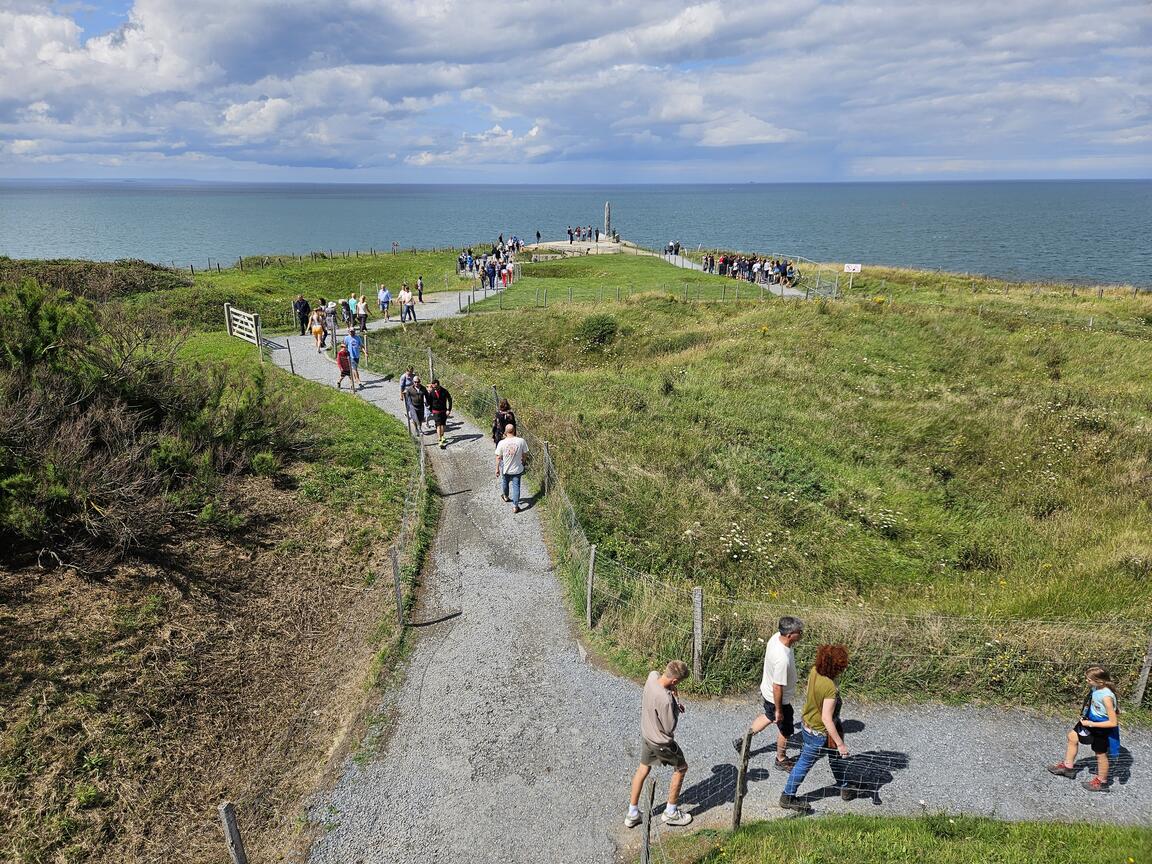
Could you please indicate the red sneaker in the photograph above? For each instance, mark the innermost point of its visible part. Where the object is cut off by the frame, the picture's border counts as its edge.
(1094, 785)
(1062, 770)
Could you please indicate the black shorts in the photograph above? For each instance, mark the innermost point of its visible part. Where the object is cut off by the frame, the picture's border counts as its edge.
(440, 417)
(786, 722)
(664, 754)
(1099, 741)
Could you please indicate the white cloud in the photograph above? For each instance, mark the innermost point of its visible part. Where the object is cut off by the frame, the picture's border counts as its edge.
(413, 90)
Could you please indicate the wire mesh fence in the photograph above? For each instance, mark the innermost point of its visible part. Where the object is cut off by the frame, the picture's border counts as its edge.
(642, 620)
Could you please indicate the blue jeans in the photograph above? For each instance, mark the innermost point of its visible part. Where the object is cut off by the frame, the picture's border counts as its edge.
(510, 487)
(815, 746)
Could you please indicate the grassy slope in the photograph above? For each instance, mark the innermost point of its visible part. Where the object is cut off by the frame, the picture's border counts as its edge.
(948, 455)
(126, 707)
(901, 840)
(270, 290)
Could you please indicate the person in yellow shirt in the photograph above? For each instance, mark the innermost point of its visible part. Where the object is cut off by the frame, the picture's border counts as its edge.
(821, 723)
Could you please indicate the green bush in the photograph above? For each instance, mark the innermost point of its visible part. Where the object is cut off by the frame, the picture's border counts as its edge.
(597, 331)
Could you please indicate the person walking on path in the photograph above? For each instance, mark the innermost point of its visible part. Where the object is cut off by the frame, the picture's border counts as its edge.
(303, 313)
(420, 288)
(659, 712)
(355, 347)
(512, 458)
(417, 395)
(385, 298)
(406, 382)
(777, 688)
(330, 315)
(1099, 726)
(344, 364)
(504, 418)
(407, 307)
(820, 726)
(440, 406)
(362, 313)
(316, 322)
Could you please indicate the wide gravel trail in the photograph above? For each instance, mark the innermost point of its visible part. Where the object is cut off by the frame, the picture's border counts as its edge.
(507, 746)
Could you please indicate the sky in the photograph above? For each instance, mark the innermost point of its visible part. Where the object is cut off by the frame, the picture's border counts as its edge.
(579, 91)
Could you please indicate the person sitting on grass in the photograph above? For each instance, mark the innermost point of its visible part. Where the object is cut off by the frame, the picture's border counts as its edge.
(820, 726)
(1099, 726)
(660, 709)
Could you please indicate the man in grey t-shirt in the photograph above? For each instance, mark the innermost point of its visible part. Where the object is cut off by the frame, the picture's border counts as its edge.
(660, 710)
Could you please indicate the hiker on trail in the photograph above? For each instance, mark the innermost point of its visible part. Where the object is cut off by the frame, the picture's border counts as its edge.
(355, 347)
(504, 419)
(362, 313)
(406, 382)
(659, 713)
(316, 323)
(537, 236)
(303, 313)
(440, 406)
(512, 458)
(820, 726)
(420, 288)
(344, 364)
(1099, 727)
(417, 395)
(330, 316)
(385, 298)
(407, 307)
(777, 688)
(345, 312)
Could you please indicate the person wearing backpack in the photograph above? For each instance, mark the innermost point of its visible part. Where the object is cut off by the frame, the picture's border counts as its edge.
(1099, 726)
(504, 418)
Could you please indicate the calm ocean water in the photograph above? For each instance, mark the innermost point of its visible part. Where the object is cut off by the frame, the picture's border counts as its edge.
(1089, 231)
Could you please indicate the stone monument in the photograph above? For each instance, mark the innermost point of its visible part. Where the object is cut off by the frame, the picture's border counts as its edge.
(608, 219)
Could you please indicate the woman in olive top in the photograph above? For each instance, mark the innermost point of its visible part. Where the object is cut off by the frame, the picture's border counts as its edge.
(821, 726)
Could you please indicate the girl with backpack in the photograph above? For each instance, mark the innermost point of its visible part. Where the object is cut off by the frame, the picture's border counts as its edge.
(1098, 726)
(504, 418)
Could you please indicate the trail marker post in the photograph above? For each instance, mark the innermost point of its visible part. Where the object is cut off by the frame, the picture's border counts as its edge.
(1142, 681)
(647, 802)
(588, 586)
(697, 630)
(232, 833)
(741, 779)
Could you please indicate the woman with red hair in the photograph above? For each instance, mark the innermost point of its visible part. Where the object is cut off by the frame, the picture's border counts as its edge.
(821, 723)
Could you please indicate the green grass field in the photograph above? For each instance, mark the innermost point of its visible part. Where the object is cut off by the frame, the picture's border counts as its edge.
(270, 290)
(938, 838)
(945, 454)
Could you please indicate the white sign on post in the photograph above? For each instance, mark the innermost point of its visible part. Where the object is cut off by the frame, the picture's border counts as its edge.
(851, 268)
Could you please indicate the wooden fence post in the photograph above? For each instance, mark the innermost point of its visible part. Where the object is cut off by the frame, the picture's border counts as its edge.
(697, 629)
(431, 367)
(741, 779)
(647, 802)
(399, 588)
(588, 586)
(232, 833)
(259, 338)
(1142, 681)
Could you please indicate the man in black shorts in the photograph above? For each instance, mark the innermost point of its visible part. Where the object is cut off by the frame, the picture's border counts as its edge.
(440, 405)
(660, 710)
(777, 688)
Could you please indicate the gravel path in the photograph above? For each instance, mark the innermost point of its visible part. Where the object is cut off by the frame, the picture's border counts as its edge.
(507, 746)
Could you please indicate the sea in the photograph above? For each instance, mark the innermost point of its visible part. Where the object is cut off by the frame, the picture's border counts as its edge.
(1082, 231)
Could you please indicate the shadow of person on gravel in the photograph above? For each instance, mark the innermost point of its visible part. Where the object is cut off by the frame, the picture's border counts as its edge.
(1119, 769)
(717, 789)
(862, 774)
(797, 740)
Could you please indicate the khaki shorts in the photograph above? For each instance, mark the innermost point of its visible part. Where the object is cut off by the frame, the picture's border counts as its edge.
(662, 754)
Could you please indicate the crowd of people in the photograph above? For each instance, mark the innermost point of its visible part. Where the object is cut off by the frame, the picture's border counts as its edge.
(821, 729)
(582, 234)
(492, 267)
(752, 268)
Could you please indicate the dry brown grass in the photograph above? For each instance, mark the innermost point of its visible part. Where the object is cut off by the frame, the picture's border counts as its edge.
(234, 669)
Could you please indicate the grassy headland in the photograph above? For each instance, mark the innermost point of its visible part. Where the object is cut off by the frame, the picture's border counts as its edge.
(890, 469)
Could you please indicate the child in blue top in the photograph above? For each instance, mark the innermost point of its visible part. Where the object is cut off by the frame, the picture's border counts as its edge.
(1098, 726)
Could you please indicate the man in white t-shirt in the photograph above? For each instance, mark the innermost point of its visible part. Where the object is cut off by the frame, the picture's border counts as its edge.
(511, 459)
(778, 689)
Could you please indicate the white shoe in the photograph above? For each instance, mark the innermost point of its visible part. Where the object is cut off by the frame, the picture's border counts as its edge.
(632, 821)
(676, 819)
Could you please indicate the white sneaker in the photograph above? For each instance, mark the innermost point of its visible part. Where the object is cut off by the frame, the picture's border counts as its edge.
(676, 819)
(632, 821)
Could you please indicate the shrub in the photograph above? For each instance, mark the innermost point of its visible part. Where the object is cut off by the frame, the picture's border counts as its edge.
(596, 331)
